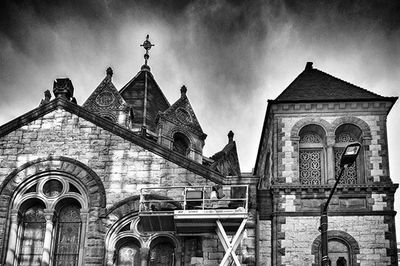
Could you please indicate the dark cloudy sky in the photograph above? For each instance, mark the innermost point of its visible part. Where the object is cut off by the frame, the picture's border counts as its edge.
(232, 55)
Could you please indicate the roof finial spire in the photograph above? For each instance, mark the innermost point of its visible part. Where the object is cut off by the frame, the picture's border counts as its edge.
(147, 46)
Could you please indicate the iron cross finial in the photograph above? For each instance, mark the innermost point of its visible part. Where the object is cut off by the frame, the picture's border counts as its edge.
(147, 46)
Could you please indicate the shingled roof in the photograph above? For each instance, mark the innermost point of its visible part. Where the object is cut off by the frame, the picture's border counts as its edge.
(315, 85)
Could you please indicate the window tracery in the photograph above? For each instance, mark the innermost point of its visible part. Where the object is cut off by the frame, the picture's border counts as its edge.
(344, 135)
(51, 222)
(33, 230)
(311, 155)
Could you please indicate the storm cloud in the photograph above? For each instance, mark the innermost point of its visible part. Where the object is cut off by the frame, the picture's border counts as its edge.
(232, 55)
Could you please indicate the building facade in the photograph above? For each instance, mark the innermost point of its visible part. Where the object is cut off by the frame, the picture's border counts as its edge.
(305, 131)
(122, 180)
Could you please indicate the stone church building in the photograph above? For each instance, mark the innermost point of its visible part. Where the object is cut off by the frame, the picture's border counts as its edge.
(122, 180)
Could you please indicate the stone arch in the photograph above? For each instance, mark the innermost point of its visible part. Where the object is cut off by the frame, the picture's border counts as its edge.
(169, 236)
(96, 191)
(341, 236)
(294, 133)
(366, 131)
(183, 131)
(54, 164)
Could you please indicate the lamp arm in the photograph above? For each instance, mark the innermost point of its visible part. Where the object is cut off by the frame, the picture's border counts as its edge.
(325, 209)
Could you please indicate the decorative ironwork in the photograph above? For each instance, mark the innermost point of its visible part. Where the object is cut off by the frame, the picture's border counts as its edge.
(344, 137)
(350, 174)
(34, 226)
(310, 137)
(310, 167)
(68, 237)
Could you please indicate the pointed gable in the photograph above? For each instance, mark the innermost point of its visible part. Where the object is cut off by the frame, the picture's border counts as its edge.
(226, 161)
(179, 129)
(145, 97)
(315, 85)
(106, 101)
(181, 113)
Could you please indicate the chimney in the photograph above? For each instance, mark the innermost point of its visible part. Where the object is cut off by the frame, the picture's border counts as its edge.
(309, 66)
(63, 88)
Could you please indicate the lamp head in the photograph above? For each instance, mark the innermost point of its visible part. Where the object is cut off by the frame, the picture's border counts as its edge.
(350, 154)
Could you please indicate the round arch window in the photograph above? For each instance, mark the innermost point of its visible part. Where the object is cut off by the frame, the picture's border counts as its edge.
(52, 188)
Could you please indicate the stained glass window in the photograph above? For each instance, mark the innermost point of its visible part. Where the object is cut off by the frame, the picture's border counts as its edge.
(162, 254)
(68, 236)
(34, 226)
(129, 255)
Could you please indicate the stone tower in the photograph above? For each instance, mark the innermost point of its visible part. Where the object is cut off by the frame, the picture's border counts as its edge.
(305, 131)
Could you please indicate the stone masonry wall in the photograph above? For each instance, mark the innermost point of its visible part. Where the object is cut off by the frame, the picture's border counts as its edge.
(376, 161)
(123, 167)
(368, 231)
(265, 243)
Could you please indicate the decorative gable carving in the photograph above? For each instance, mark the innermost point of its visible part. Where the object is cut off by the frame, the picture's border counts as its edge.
(180, 118)
(107, 102)
(181, 114)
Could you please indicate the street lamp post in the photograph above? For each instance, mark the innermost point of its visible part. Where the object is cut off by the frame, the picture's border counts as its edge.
(348, 158)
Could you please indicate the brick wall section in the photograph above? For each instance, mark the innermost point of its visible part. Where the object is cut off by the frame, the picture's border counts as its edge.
(368, 231)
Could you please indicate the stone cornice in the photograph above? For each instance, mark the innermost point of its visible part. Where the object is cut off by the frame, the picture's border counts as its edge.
(379, 187)
(335, 213)
(116, 129)
(381, 106)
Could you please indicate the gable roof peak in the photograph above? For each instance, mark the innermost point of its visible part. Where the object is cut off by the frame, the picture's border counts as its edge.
(314, 85)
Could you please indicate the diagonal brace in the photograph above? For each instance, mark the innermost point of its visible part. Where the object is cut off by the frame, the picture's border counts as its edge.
(230, 246)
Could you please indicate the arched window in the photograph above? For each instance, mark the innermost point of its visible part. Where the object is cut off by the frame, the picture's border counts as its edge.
(32, 235)
(312, 155)
(68, 235)
(45, 230)
(181, 144)
(338, 253)
(162, 252)
(342, 249)
(344, 135)
(128, 252)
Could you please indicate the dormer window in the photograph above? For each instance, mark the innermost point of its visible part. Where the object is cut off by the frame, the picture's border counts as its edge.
(181, 144)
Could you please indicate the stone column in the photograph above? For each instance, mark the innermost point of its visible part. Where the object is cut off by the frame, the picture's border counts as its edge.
(49, 215)
(12, 240)
(84, 218)
(330, 158)
(144, 256)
